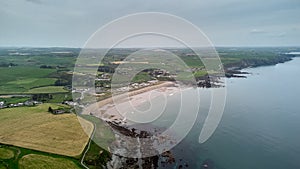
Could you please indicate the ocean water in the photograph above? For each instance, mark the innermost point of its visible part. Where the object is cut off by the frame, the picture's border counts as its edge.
(260, 127)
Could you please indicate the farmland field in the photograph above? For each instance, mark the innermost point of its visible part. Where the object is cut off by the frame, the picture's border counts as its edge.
(47, 89)
(34, 161)
(35, 128)
(20, 79)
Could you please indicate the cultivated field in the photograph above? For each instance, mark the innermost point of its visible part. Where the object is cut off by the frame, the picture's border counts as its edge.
(34, 161)
(35, 128)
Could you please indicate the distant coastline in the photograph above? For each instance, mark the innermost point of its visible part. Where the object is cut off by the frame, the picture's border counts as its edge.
(235, 69)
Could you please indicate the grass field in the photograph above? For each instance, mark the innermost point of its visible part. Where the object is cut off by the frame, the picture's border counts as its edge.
(23, 73)
(19, 153)
(98, 153)
(141, 77)
(34, 161)
(60, 97)
(47, 89)
(14, 100)
(16, 80)
(6, 153)
(35, 128)
(104, 135)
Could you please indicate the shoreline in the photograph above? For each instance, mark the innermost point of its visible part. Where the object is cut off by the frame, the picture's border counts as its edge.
(107, 109)
(136, 92)
(235, 70)
(116, 124)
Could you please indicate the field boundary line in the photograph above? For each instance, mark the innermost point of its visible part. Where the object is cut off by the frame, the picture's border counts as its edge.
(88, 147)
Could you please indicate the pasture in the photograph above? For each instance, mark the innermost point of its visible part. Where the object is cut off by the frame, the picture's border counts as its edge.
(16, 80)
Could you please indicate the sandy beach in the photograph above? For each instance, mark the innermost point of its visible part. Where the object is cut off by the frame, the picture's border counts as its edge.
(118, 107)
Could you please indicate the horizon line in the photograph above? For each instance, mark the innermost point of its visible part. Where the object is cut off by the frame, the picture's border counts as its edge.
(138, 47)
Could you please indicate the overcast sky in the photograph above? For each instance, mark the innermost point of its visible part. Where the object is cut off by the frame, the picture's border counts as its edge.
(226, 22)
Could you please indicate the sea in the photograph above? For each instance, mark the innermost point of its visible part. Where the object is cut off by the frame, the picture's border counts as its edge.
(259, 129)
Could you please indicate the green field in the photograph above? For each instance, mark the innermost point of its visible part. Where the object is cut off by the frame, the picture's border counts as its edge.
(23, 73)
(141, 77)
(98, 153)
(200, 73)
(6, 153)
(34, 161)
(35, 128)
(16, 80)
(27, 76)
(14, 100)
(38, 56)
(19, 153)
(104, 135)
(47, 89)
(60, 97)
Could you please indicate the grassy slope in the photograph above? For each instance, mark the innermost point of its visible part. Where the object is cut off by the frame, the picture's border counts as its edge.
(104, 135)
(98, 154)
(35, 128)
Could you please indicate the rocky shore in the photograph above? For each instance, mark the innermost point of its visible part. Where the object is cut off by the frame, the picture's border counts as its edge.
(126, 136)
(233, 70)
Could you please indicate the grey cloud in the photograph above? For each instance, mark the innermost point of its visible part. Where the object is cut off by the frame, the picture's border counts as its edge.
(35, 1)
(71, 22)
(280, 34)
(257, 31)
